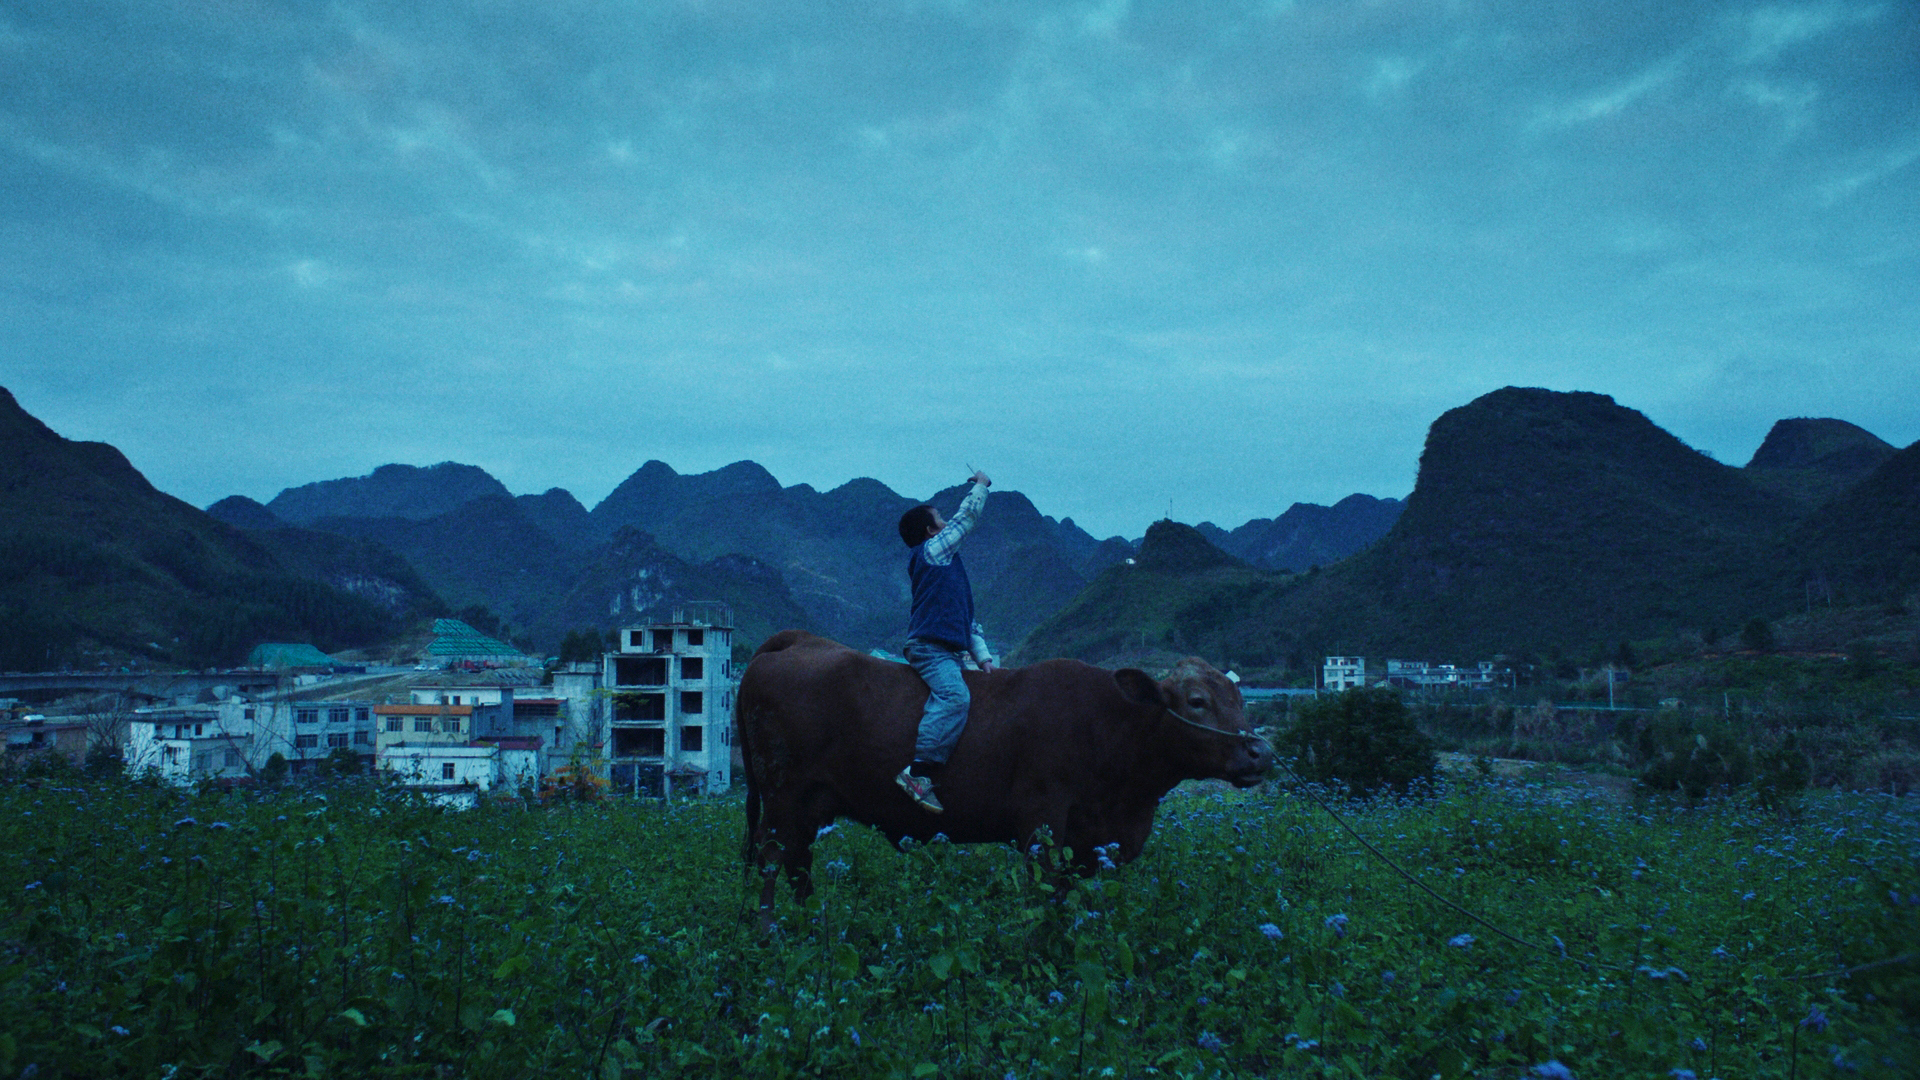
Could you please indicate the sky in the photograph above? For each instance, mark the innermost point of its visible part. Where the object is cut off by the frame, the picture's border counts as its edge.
(1131, 259)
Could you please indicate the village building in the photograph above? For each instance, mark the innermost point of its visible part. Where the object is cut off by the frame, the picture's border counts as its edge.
(1344, 673)
(27, 734)
(670, 689)
(184, 744)
(237, 737)
(1350, 672)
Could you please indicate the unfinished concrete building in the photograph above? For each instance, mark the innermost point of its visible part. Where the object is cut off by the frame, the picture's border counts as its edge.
(670, 688)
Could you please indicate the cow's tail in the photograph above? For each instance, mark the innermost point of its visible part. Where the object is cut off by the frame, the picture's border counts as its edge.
(743, 731)
(747, 720)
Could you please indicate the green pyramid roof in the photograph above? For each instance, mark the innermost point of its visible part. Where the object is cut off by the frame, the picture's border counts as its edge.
(274, 656)
(453, 638)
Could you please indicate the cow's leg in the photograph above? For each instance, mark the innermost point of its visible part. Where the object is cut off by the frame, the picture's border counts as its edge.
(799, 862)
(817, 809)
(786, 840)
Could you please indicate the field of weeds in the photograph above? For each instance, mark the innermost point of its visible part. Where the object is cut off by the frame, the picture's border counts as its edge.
(351, 930)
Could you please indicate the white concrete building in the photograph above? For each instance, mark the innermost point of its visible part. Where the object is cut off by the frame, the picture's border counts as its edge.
(1344, 673)
(670, 690)
(185, 744)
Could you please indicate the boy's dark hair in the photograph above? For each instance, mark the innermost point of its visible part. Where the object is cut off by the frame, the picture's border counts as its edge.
(913, 525)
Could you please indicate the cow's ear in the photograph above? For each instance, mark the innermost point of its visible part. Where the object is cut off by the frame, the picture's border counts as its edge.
(1137, 685)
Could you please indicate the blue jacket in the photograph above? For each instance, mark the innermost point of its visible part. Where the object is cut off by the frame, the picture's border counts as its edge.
(942, 601)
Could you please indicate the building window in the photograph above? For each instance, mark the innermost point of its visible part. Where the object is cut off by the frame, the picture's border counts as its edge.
(338, 716)
(306, 716)
(640, 671)
(232, 759)
(336, 738)
(199, 730)
(305, 742)
(639, 742)
(446, 770)
(692, 740)
(171, 755)
(692, 702)
(451, 723)
(693, 667)
(631, 707)
(246, 714)
(423, 723)
(396, 723)
(663, 641)
(636, 639)
(362, 737)
(696, 637)
(360, 716)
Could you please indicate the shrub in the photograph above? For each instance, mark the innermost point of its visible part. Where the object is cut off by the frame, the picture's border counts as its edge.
(1757, 635)
(1365, 739)
(1694, 756)
(1783, 774)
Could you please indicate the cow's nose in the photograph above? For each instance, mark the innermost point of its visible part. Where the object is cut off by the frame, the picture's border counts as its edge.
(1262, 754)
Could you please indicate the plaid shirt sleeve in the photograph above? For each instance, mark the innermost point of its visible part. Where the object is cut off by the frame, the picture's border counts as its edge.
(940, 547)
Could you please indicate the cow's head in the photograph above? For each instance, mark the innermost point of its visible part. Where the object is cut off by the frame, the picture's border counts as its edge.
(1202, 722)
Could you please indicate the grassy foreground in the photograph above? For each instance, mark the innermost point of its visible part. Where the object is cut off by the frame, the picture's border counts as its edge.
(352, 931)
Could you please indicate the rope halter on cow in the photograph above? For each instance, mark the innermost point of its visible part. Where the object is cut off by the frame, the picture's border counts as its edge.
(1248, 735)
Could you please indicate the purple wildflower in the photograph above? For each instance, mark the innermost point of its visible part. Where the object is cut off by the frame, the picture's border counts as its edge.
(1460, 941)
(1816, 1020)
(1272, 932)
(1338, 924)
(1552, 1070)
(1210, 1042)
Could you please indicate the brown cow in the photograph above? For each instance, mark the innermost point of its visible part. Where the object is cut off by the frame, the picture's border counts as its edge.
(1087, 753)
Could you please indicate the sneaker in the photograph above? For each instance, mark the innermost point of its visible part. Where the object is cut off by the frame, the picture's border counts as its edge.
(919, 789)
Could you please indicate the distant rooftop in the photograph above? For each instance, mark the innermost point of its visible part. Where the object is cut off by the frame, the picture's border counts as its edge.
(455, 640)
(276, 656)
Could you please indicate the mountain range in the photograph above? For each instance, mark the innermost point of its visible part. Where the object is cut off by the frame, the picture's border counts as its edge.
(781, 555)
(1541, 521)
(97, 566)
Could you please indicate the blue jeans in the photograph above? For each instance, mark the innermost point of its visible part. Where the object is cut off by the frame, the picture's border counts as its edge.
(946, 713)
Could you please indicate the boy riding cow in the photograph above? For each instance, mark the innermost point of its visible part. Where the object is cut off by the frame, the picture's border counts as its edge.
(941, 634)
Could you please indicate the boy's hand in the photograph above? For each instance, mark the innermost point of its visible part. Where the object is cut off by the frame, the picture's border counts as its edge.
(981, 478)
(988, 665)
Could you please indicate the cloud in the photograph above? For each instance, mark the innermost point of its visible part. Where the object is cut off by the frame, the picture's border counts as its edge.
(1391, 74)
(1103, 19)
(309, 273)
(1879, 167)
(1609, 102)
(1770, 31)
(1792, 101)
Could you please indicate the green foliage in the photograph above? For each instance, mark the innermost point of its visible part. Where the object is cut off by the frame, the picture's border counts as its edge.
(275, 770)
(1783, 773)
(1693, 755)
(1365, 739)
(1757, 635)
(350, 930)
(580, 646)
